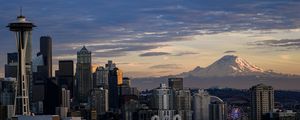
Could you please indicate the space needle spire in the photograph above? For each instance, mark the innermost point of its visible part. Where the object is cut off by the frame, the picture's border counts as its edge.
(22, 29)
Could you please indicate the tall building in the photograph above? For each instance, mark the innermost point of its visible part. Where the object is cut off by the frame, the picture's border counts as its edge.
(163, 101)
(127, 81)
(182, 104)
(23, 29)
(83, 75)
(127, 93)
(41, 77)
(200, 105)
(12, 65)
(98, 100)
(262, 101)
(65, 98)
(65, 75)
(7, 91)
(162, 98)
(12, 57)
(129, 110)
(101, 77)
(46, 52)
(176, 83)
(217, 109)
(115, 78)
(52, 97)
(110, 65)
(64, 103)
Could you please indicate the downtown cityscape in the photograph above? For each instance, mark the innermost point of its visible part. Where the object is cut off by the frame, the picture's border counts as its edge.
(148, 76)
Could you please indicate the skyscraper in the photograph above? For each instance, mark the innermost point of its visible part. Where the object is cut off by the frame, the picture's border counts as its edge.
(41, 77)
(126, 92)
(176, 83)
(182, 104)
(12, 65)
(162, 97)
(12, 57)
(101, 77)
(110, 65)
(127, 81)
(83, 75)
(65, 75)
(7, 91)
(262, 101)
(163, 103)
(46, 52)
(99, 100)
(65, 98)
(115, 78)
(23, 29)
(217, 109)
(200, 105)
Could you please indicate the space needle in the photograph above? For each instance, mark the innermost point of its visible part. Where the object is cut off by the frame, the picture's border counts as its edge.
(22, 29)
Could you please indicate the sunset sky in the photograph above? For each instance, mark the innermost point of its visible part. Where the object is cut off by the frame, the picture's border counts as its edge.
(162, 37)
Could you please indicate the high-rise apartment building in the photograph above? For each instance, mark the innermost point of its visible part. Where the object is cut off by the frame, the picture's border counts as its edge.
(84, 82)
(217, 110)
(261, 101)
(182, 104)
(162, 98)
(163, 102)
(200, 105)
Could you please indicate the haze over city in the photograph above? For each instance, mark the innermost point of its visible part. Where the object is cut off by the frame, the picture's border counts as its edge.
(156, 38)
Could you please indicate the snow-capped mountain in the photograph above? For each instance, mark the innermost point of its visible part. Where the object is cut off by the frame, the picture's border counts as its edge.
(229, 65)
(229, 71)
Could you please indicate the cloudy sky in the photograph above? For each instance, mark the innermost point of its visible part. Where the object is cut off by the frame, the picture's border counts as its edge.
(161, 37)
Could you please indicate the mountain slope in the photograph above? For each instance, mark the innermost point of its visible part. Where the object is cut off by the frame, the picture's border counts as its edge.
(229, 71)
(228, 65)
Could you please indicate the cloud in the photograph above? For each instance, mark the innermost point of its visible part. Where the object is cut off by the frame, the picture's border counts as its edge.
(230, 51)
(283, 43)
(166, 66)
(185, 53)
(148, 54)
(143, 23)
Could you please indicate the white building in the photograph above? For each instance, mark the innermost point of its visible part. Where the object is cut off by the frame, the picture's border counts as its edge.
(65, 98)
(200, 105)
(162, 98)
(163, 102)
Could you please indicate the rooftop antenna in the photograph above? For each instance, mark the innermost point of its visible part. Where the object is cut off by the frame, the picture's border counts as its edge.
(21, 11)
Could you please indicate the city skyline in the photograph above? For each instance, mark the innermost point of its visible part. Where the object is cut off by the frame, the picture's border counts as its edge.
(162, 38)
(151, 59)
